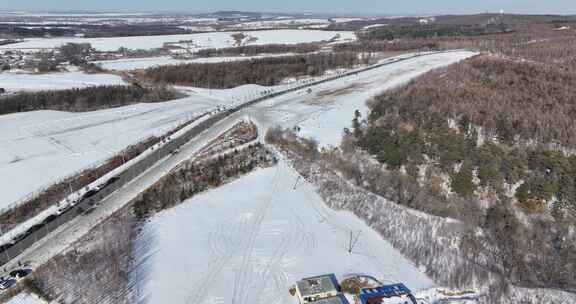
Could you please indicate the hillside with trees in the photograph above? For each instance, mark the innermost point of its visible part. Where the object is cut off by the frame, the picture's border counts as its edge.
(486, 144)
(488, 141)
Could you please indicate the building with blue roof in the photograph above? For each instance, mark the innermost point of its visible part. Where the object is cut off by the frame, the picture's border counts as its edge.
(393, 294)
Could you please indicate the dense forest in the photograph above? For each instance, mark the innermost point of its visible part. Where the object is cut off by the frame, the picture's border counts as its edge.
(512, 100)
(251, 50)
(445, 172)
(551, 43)
(10, 30)
(85, 99)
(26, 30)
(265, 71)
(392, 32)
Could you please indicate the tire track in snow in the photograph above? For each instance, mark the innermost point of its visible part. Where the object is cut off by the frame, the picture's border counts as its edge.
(228, 249)
(243, 275)
(299, 239)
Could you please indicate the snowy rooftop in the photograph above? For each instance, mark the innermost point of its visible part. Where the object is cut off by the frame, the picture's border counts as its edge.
(316, 285)
(395, 293)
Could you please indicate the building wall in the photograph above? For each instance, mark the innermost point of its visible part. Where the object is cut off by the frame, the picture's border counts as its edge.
(316, 297)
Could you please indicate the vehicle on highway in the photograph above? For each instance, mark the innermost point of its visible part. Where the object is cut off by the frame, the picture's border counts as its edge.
(20, 273)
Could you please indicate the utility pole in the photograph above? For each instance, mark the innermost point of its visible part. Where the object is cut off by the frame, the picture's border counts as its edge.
(296, 183)
(70, 186)
(353, 240)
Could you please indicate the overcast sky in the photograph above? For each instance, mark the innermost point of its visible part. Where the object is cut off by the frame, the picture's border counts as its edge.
(372, 7)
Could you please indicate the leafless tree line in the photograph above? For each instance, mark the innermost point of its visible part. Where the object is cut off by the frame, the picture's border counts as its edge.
(85, 99)
(265, 71)
(252, 50)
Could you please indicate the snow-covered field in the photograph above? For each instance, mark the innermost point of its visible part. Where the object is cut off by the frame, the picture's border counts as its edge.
(346, 19)
(12, 81)
(25, 298)
(249, 241)
(38, 148)
(373, 26)
(199, 41)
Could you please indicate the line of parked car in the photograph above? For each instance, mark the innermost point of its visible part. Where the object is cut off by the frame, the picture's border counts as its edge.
(13, 277)
(53, 217)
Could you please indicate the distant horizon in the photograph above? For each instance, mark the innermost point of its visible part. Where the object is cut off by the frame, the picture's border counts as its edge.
(303, 13)
(325, 7)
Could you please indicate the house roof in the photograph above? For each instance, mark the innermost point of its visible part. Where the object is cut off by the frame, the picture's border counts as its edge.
(316, 285)
(386, 291)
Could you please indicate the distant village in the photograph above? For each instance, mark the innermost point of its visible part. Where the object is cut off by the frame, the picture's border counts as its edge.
(47, 60)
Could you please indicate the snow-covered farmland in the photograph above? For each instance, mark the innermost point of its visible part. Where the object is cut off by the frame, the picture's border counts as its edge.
(199, 41)
(38, 148)
(249, 241)
(12, 81)
(374, 26)
(346, 19)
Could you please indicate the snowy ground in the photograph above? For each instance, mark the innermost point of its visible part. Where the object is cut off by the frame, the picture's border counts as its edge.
(38, 148)
(26, 298)
(199, 41)
(249, 241)
(13, 81)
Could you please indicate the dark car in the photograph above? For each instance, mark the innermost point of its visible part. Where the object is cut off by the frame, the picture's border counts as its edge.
(49, 219)
(20, 273)
(89, 193)
(35, 228)
(111, 180)
(5, 247)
